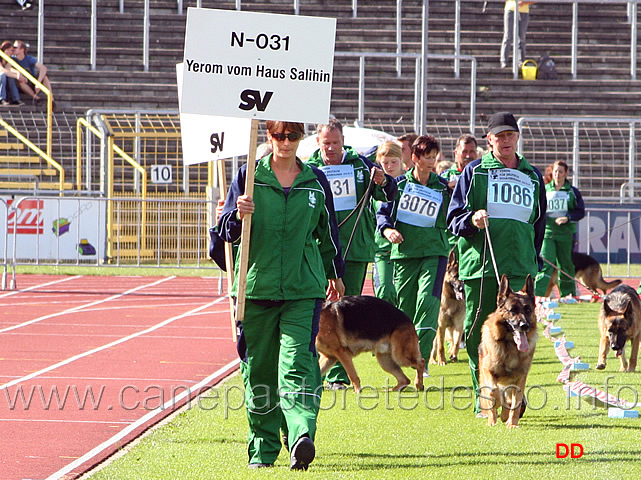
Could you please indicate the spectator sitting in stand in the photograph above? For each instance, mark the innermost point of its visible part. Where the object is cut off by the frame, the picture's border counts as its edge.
(9, 94)
(35, 68)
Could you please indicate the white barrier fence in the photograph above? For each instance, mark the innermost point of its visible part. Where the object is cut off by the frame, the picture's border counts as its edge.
(174, 233)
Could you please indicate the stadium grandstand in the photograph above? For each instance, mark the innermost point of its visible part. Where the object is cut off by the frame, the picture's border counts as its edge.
(112, 67)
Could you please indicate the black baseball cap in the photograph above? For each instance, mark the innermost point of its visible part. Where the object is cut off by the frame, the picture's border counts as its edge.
(502, 122)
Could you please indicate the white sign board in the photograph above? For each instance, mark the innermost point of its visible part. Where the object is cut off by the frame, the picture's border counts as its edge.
(258, 65)
(208, 137)
(56, 228)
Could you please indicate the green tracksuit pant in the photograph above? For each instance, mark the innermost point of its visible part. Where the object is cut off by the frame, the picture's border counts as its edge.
(353, 279)
(480, 292)
(559, 252)
(419, 282)
(383, 278)
(279, 365)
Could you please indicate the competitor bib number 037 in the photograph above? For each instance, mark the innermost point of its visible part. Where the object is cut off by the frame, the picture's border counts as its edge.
(510, 194)
(419, 205)
(557, 204)
(341, 181)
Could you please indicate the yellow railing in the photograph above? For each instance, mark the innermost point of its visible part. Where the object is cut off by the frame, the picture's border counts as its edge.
(44, 89)
(34, 148)
(111, 149)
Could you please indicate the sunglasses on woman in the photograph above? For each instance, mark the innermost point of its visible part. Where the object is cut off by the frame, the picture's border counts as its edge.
(291, 136)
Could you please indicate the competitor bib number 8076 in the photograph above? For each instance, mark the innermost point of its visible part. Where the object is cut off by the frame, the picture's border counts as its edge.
(510, 194)
(419, 205)
(341, 181)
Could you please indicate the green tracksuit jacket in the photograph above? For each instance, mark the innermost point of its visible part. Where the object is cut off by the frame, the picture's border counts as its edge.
(419, 241)
(559, 239)
(516, 243)
(362, 247)
(294, 242)
(418, 213)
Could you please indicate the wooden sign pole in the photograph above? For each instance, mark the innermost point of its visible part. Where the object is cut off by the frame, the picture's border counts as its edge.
(246, 232)
(229, 250)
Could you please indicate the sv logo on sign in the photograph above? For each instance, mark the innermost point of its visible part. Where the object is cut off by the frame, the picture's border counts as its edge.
(217, 141)
(252, 98)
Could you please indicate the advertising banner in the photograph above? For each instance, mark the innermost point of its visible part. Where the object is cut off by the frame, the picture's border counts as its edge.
(54, 228)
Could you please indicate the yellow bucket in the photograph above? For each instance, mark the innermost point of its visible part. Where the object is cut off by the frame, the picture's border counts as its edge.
(529, 71)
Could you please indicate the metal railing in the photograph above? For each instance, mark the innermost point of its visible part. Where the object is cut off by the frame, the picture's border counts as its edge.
(44, 89)
(615, 152)
(419, 84)
(632, 17)
(107, 232)
(178, 237)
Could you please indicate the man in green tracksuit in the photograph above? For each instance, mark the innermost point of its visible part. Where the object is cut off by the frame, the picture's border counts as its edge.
(349, 176)
(464, 153)
(294, 250)
(564, 208)
(415, 225)
(504, 191)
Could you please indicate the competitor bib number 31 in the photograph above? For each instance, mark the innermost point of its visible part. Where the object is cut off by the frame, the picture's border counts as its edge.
(341, 181)
(419, 205)
(510, 194)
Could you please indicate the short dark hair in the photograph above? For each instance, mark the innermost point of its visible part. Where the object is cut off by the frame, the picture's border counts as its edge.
(467, 138)
(408, 137)
(424, 144)
(563, 164)
(333, 124)
(275, 126)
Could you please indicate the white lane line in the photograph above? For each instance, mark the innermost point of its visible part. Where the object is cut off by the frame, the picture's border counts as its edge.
(119, 422)
(126, 431)
(108, 345)
(86, 305)
(34, 287)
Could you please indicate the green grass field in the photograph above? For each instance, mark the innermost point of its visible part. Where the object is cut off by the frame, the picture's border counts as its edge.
(432, 434)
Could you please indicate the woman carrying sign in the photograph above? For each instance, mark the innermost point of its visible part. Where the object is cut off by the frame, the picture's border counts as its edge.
(564, 208)
(294, 251)
(415, 225)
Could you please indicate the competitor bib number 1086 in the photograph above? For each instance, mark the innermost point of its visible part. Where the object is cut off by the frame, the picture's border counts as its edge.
(419, 205)
(341, 181)
(510, 194)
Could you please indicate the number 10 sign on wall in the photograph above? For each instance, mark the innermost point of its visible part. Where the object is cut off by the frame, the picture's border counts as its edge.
(258, 65)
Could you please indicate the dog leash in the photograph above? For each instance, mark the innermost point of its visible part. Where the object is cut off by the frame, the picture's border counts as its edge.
(488, 242)
(573, 278)
(364, 201)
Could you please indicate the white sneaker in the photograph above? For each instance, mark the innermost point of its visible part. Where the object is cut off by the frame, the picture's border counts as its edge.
(426, 373)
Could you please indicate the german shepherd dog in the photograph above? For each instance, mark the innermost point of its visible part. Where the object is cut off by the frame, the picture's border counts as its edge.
(620, 320)
(508, 340)
(357, 324)
(588, 271)
(451, 314)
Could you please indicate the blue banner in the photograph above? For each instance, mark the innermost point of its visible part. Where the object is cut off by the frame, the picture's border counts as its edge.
(611, 229)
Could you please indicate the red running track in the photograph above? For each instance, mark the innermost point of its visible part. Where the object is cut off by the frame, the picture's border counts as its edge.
(89, 363)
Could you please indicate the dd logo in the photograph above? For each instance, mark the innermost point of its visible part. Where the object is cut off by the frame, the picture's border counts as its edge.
(575, 450)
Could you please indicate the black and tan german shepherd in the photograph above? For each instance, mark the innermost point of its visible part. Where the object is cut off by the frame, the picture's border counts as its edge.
(451, 314)
(620, 321)
(508, 340)
(360, 323)
(588, 271)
